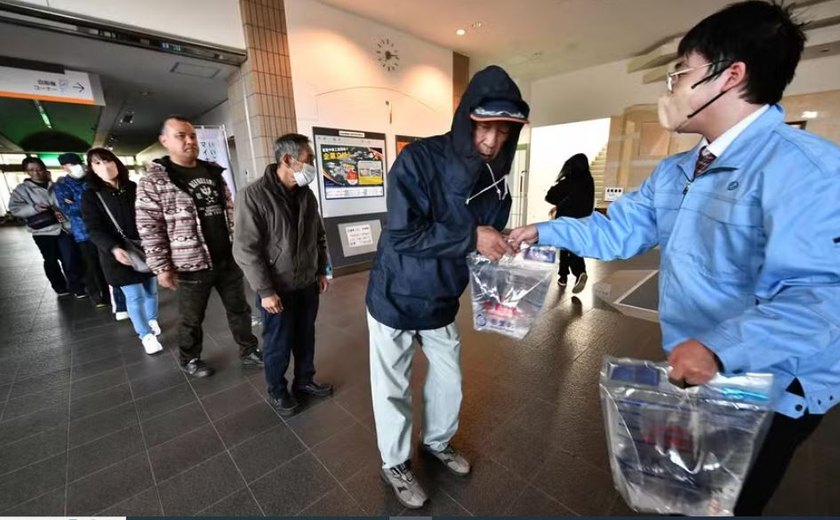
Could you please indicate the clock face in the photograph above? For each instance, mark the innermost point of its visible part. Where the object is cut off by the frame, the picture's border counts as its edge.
(387, 55)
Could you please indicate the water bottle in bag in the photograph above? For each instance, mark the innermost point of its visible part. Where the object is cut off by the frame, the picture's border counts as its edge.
(682, 451)
(508, 295)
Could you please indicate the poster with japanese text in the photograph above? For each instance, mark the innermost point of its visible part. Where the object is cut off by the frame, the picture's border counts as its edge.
(352, 163)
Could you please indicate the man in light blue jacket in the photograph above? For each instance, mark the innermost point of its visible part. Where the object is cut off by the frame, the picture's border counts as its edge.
(748, 223)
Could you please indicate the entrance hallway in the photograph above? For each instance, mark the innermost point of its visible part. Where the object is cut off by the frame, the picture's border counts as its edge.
(90, 425)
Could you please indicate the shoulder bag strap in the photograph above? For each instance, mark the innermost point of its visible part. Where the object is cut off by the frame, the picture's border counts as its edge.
(111, 216)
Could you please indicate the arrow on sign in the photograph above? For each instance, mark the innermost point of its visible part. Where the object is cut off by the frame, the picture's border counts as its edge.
(79, 87)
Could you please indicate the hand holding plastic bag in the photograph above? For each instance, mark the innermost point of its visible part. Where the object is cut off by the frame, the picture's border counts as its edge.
(508, 295)
(682, 451)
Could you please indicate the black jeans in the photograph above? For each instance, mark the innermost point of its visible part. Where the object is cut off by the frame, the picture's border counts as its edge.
(570, 261)
(783, 438)
(194, 293)
(290, 332)
(61, 249)
(95, 283)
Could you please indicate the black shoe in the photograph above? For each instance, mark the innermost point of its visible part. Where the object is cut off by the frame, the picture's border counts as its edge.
(286, 405)
(196, 368)
(81, 296)
(315, 389)
(254, 359)
(62, 293)
(562, 282)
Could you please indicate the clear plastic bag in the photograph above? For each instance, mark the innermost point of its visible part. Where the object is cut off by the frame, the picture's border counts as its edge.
(682, 451)
(508, 295)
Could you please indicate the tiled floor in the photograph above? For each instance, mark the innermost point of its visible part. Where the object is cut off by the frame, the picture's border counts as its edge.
(91, 425)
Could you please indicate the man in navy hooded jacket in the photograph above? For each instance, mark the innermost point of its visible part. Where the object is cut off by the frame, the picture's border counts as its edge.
(447, 197)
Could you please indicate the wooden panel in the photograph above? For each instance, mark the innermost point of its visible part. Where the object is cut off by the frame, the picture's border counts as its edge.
(460, 77)
(653, 140)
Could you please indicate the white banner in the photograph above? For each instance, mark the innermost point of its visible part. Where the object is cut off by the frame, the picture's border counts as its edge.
(69, 87)
(212, 147)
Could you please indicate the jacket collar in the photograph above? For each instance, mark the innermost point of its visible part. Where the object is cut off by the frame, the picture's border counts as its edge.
(271, 181)
(164, 165)
(742, 149)
(36, 185)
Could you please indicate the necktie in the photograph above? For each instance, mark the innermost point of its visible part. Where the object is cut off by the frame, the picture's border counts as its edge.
(704, 159)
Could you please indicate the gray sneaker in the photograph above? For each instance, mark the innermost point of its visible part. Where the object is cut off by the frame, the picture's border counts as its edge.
(580, 283)
(451, 459)
(406, 488)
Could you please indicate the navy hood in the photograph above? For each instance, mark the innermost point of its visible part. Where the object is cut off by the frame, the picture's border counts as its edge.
(489, 84)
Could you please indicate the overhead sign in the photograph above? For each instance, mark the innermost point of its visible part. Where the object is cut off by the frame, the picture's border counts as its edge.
(68, 87)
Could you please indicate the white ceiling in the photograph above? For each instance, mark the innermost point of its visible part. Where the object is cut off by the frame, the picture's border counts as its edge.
(539, 38)
(133, 80)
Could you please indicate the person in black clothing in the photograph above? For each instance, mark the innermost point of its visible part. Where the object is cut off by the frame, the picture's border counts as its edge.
(33, 200)
(107, 204)
(68, 192)
(281, 246)
(573, 195)
(185, 221)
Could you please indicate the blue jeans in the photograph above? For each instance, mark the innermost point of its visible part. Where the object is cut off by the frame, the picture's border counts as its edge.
(290, 333)
(141, 301)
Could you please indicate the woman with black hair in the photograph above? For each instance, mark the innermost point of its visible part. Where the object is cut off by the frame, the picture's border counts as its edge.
(573, 195)
(108, 212)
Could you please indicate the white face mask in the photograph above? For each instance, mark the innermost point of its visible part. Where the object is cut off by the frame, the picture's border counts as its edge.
(675, 108)
(77, 171)
(306, 175)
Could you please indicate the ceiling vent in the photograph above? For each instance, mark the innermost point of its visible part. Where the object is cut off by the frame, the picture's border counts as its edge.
(198, 71)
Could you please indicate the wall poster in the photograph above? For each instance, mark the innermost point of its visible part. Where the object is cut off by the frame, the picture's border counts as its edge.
(352, 163)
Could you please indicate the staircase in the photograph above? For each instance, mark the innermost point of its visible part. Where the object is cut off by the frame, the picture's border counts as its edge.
(598, 166)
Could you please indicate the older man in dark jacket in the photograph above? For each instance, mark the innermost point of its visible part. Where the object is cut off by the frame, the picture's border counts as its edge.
(280, 243)
(447, 197)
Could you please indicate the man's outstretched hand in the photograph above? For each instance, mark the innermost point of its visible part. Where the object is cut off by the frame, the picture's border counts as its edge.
(525, 234)
(492, 244)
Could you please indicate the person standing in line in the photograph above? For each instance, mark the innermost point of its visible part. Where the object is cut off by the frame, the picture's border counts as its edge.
(749, 230)
(118, 307)
(33, 201)
(185, 221)
(68, 196)
(573, 195)
(447, 197)
(109, 215)
(281, 245)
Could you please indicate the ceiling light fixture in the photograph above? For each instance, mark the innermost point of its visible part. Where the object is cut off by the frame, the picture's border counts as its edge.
(44, 117)
(460, 32)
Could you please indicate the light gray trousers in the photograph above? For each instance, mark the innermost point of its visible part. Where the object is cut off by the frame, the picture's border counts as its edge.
(391, 354)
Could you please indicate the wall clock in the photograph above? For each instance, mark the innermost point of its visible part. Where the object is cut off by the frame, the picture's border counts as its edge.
(387, 54)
